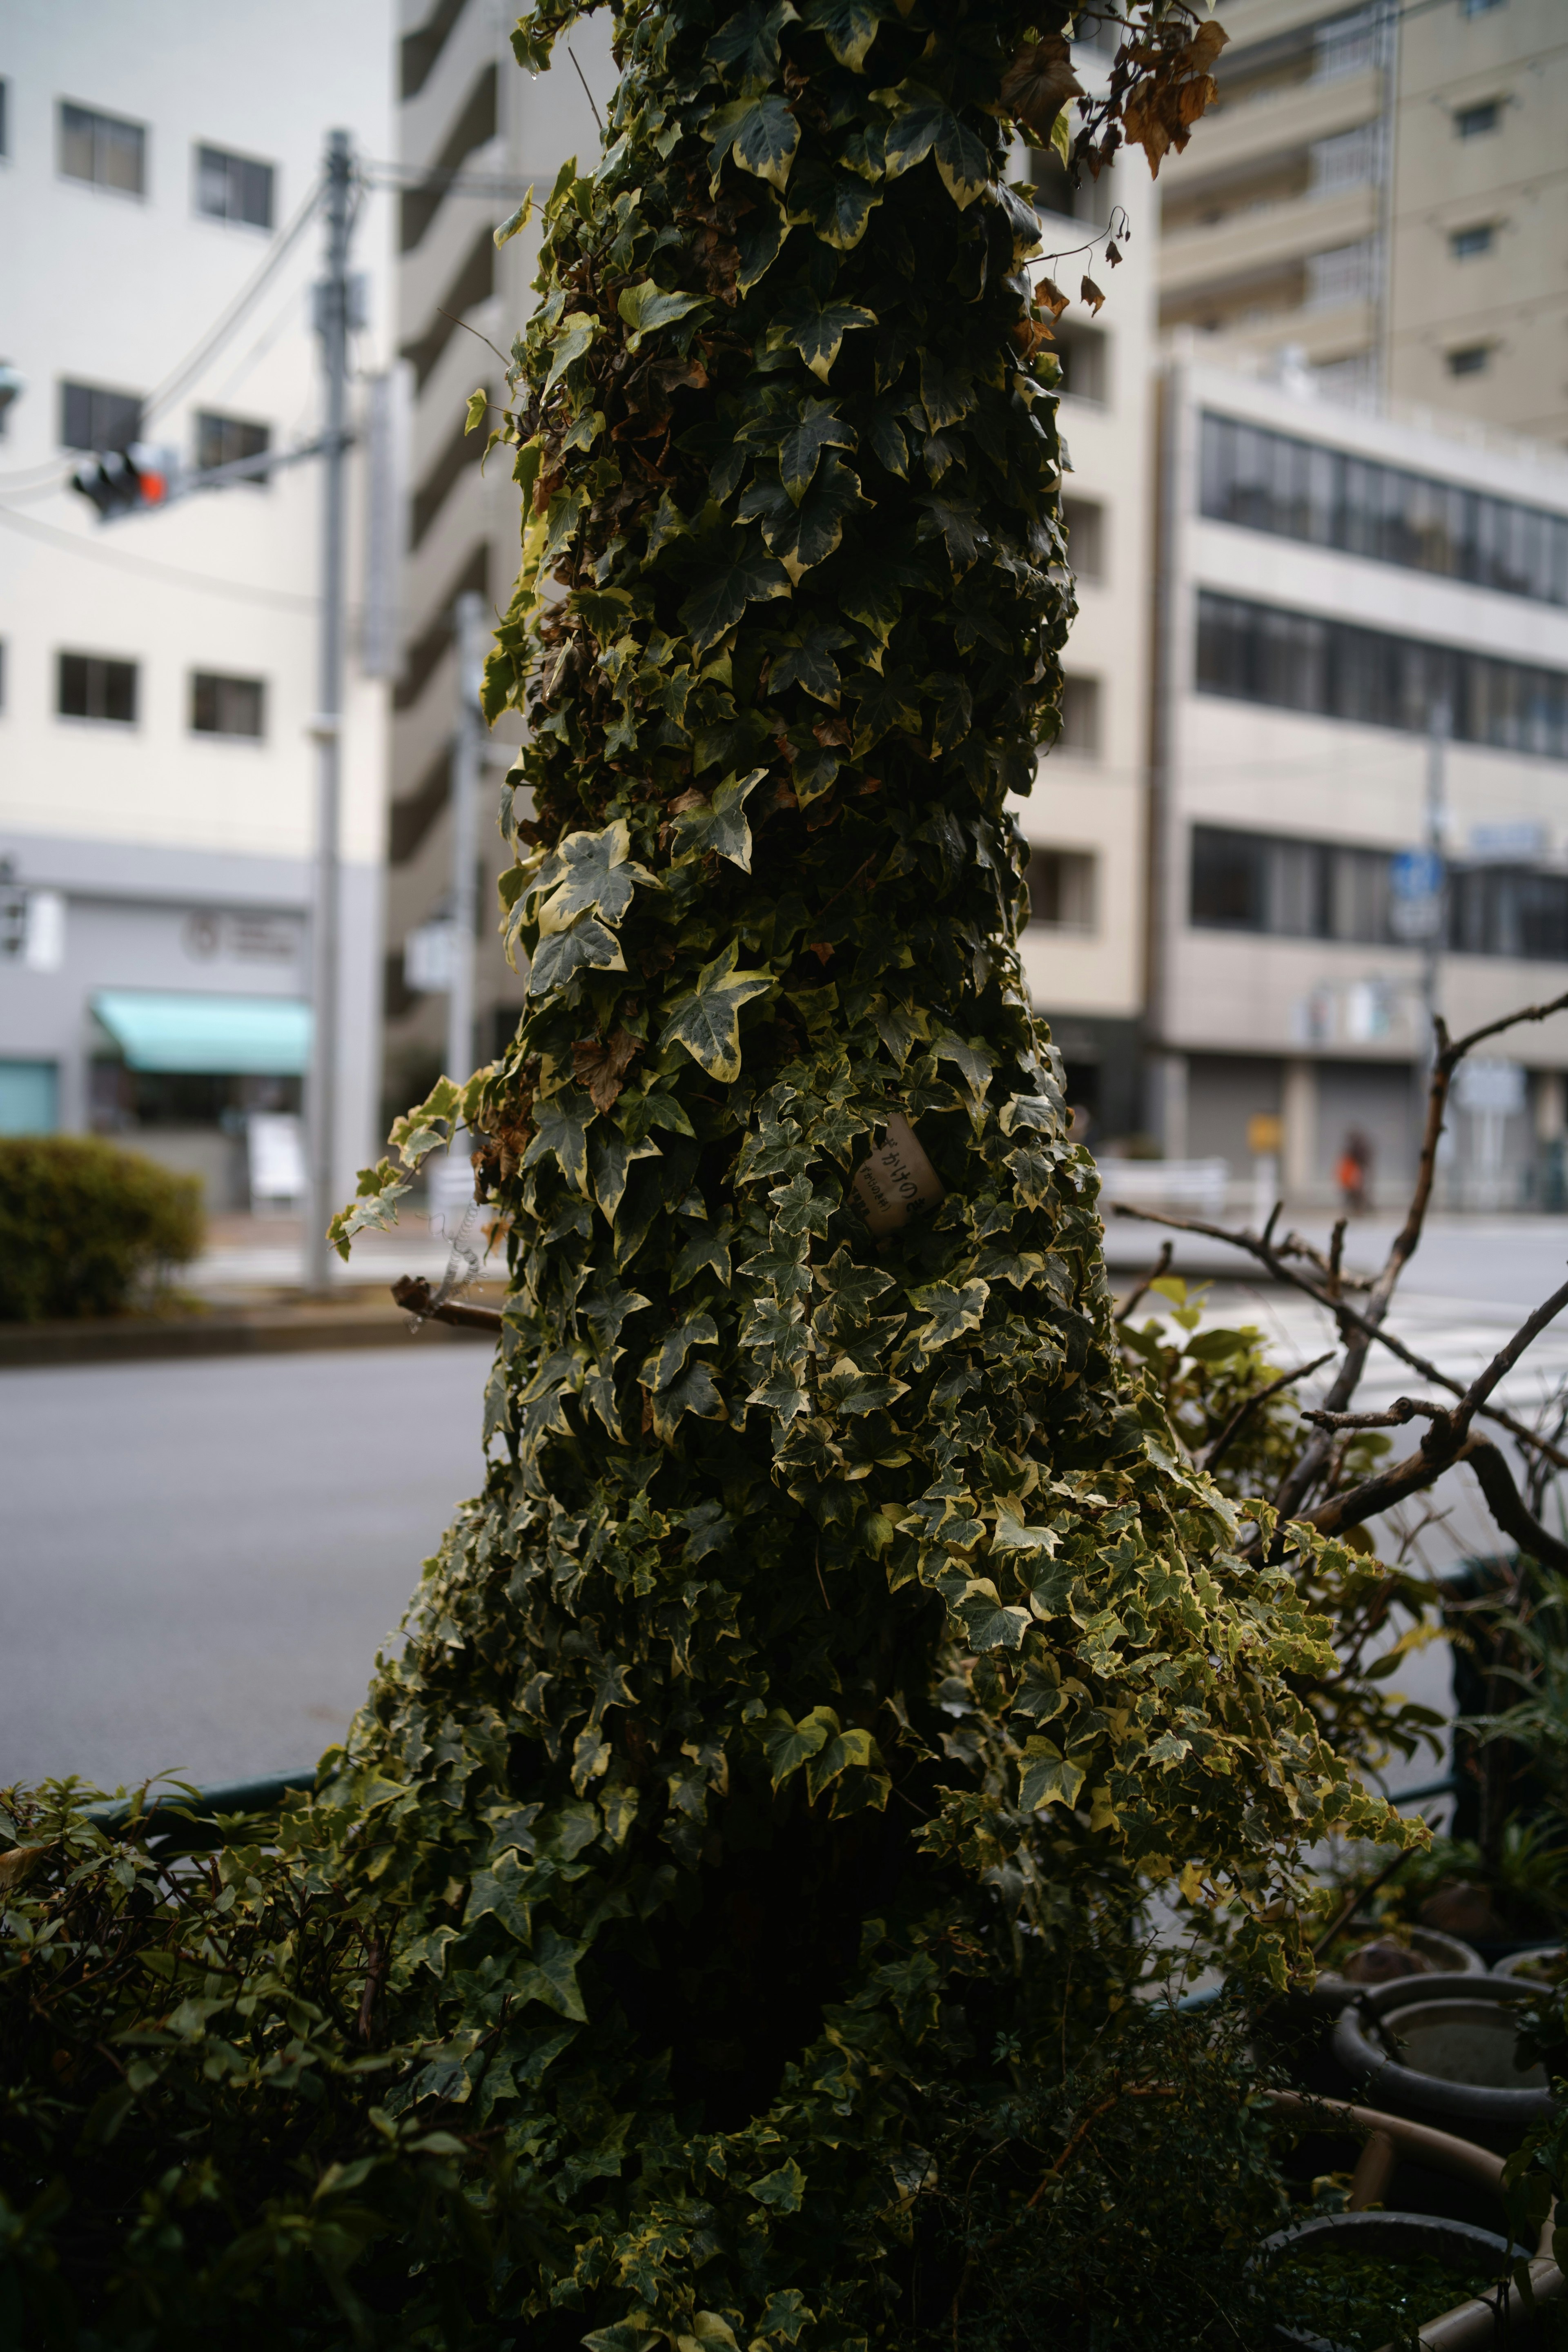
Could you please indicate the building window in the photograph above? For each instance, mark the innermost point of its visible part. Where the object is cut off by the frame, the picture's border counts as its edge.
(225, 440)
(92, 686)
(1289, 889)
(226, 706)
(1463, 244)
(1085, 519)
(1299, 661)
(474, 127)
(1081, 352)
(1475, 121)
(1480, 8)
(1296, 489)
(94, 418)
(1080, 717)
(1471, 359)
(5, 117)
(1345, 273)
(102, 150)
(1061, 889)
(232, 188)
(1509, 911)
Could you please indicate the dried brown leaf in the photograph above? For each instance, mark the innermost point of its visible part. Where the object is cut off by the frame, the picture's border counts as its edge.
(1039, 83)
(1050, 295)
(1092, 294)
(603, 1068)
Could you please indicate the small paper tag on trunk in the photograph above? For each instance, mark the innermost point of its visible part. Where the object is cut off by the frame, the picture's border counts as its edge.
(897, 1180)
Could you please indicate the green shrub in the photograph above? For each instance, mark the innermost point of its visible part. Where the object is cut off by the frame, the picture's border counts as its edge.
(82, 1222)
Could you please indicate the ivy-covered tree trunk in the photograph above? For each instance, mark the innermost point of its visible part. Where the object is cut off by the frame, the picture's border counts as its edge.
(842, 1648)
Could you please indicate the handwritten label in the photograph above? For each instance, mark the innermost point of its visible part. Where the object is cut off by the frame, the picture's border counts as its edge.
(897, 1180)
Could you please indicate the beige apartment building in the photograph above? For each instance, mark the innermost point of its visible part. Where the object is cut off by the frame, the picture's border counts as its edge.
(1379, 200)
(472, 133)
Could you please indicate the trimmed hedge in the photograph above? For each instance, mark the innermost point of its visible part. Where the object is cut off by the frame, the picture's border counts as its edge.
(83, 1223)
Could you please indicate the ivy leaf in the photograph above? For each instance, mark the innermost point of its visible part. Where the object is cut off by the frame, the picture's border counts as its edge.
(950, 1308)
(802, 536)
(553, 1979)
(957, 522)
(646, 308)
(586, 947)
(707, 1021)
(926, 125)
(500, 1891)
(805, 658)
(708, 1244)
(783, 1394)
(1014, 1533)
(1040, 82)
(691, 1391)
(565, 512)
(848, 26)
(560, 1125)
(574, 338)
(788, 1744)
(837, 205)
(821, 428)
(515, 221)
(762, 134)
(1048, 1777)
(738, 575)
(784, 2189)
(720, 824)
(749, 41)
(990, 1624)
(589, 872)
(478, 409)
(946, 392)
(759, 243)
(881, 704)
(851, 1749)
(816, 330)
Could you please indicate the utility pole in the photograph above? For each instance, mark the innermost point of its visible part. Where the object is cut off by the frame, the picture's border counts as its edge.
(332, 326)
(468, 759)
(1440, 727)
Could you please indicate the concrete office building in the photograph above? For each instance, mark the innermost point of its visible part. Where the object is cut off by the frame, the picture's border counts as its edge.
(1380, 196)
(1084, 947)
(1329, 580)
(157, 766)
(472, 132)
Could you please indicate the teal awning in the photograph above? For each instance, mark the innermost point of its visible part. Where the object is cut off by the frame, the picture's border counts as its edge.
(241, 1036)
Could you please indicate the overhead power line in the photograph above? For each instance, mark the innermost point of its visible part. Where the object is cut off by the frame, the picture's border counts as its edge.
(192, 366)
(121, 560)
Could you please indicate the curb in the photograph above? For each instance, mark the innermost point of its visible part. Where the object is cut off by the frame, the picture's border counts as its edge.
(257, 1331)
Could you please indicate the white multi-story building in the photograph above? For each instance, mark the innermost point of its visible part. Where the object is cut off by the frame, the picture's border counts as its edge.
(1338, 592)
(1086, 820)
(473, 132)
(158, 771)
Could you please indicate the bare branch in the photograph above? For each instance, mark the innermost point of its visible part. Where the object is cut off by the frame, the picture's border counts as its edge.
(412, 1291)
(1347, 1315)
(1162, 1266)
(1508, 1506)
(1503, 1362)
(1402, 1410)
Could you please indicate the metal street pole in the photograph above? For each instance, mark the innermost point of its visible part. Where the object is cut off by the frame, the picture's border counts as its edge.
(468, 759)
(1440, 727)
(332, 326)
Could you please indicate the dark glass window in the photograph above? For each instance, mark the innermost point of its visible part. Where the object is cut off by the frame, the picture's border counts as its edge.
(226, 706)
(1470, 361)
(1061, 889)
(1475, 121)
(93, 687)
(1298, 661)
(92, 418)
(1295, 490)
(102, 150)
(1290, 889)
(1463, 244)
(234, 187)
(225, 440)
(1509, 911)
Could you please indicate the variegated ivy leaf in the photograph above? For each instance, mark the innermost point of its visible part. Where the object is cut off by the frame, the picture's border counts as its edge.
(926, 125)
(762, 134)
(816, 330)
(1047, 1776)
(720, 824)
(788, 1745)
(707, 1020)
(573, 343)
(589, 872)
(734, 574)
(803, 534)
(991, 1623)
(746, 46)
(848, 26)
(837, 205)
(820, 427)
(586, 947)
(949, 1308)
(646, 308)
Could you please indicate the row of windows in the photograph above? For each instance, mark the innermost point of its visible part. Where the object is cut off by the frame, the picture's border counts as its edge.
(96, 685)
(1299, 661)
(1296, 489)
(105, 151)
(1326, 890)
(92, 416)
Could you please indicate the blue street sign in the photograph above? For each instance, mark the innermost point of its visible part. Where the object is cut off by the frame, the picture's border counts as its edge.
(1415, 894)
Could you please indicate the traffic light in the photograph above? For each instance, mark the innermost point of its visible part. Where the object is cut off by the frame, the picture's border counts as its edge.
(125, 481)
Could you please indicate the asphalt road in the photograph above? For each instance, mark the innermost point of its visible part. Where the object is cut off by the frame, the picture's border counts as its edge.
(199, 1560)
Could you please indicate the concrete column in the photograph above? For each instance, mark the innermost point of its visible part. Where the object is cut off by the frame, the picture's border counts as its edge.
(1298, 1113)
(1168, 1103)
